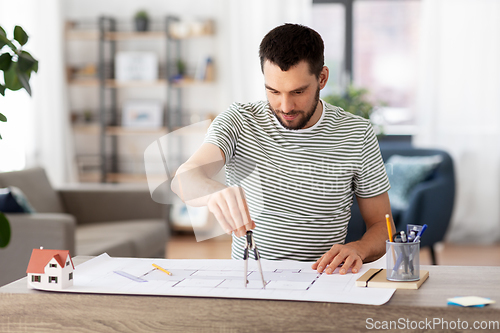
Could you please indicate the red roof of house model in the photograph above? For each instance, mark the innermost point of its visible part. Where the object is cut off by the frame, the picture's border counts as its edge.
(41, 257)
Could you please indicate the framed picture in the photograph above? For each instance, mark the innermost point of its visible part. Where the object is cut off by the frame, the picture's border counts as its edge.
(142, 114)
(136, 66)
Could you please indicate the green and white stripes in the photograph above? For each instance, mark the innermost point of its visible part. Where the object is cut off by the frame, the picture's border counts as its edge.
(298, 183)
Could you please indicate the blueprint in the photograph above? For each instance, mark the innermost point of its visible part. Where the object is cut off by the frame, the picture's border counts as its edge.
(285, 280)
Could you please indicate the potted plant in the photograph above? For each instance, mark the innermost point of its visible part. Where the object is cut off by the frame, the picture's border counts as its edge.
(141, 19)
(355, 101)
(17, 66)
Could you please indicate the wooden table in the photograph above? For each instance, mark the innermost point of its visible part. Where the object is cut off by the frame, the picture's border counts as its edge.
(27, 310)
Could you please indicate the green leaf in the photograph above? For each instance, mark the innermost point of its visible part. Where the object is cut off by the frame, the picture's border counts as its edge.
(5, 61)
(34, 67)
(25, 81)
(3, 38)
(20, 35)
(354, 101)
(26, 62)
(2, 90)
(3, 117)
(11, 78)
(3, 41)
(4, 231)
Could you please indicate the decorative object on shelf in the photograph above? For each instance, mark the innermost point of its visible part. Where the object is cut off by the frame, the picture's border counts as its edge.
(202, 27)
(142, 114)
(185, 29)
(179, 29)
(181, 67)
(85, 72)
(141, 20)
(355, 101)
(88, 116)
(205, 69)
(136, 66)
(83, 117)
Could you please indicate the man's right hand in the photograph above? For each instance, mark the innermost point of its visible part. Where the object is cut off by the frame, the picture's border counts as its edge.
(231, 210)
(193, 183)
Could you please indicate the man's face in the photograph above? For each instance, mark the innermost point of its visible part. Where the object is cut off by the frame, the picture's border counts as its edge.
(293, 95)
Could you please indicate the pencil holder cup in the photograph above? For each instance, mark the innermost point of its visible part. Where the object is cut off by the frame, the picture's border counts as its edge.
(403, 261)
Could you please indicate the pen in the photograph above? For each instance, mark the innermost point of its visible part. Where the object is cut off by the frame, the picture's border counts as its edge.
(420, 233)
(397, 264)
(403, 249)
(411, 235)
(389, 227)
(403, 236)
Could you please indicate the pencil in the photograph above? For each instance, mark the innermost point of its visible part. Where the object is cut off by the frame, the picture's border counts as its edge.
(389, 227)
(389, 231)
(161, 269)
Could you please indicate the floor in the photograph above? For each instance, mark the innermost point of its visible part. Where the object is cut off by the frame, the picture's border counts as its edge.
(184, 246)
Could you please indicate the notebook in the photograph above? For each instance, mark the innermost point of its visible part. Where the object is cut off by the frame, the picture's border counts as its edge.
(376, 278)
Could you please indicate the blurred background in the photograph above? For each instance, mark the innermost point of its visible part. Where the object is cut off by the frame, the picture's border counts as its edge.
(107, 87)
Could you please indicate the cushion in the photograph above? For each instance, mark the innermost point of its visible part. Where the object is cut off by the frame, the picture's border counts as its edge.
(13, 200)
(36, 186)
(405, 172)
(134, 238)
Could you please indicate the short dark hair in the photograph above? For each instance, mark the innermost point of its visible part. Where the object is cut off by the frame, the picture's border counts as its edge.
(289, 44)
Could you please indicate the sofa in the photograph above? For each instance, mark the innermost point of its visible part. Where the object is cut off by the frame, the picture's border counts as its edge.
(87, 219)
(430, 202)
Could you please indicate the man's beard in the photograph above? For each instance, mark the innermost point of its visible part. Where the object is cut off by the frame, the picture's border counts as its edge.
(307, 115)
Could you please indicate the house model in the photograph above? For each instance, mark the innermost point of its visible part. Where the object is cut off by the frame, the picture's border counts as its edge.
(50, 269)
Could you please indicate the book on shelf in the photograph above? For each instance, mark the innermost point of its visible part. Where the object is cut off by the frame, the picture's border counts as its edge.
(205, 69)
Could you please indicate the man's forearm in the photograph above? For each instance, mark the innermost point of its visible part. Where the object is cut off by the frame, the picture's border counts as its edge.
(193, 186)
(372, 245)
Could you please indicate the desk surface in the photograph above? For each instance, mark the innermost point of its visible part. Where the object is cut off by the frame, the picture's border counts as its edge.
(40, 311)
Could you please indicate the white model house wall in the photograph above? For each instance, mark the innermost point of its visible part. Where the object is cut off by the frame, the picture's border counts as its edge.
(54, 277)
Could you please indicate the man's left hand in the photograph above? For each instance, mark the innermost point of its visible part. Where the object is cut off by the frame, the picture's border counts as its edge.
(346, 254)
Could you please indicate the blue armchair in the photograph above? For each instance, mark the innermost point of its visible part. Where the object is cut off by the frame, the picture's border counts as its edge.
(430, 202)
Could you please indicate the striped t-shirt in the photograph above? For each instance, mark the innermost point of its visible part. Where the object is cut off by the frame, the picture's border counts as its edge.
(299, 184)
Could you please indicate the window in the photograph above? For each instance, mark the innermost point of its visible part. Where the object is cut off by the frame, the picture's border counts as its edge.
(53, 265)
(385, 54)
(52, 279)
(378, 46)
(36, 278)
(67, 263)
(71, 276)
(329, 22)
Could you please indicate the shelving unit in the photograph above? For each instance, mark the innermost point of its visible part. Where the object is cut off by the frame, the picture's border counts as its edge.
(109, 109)
(104, 132)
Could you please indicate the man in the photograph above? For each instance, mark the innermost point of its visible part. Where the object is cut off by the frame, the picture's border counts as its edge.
(296, 161)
